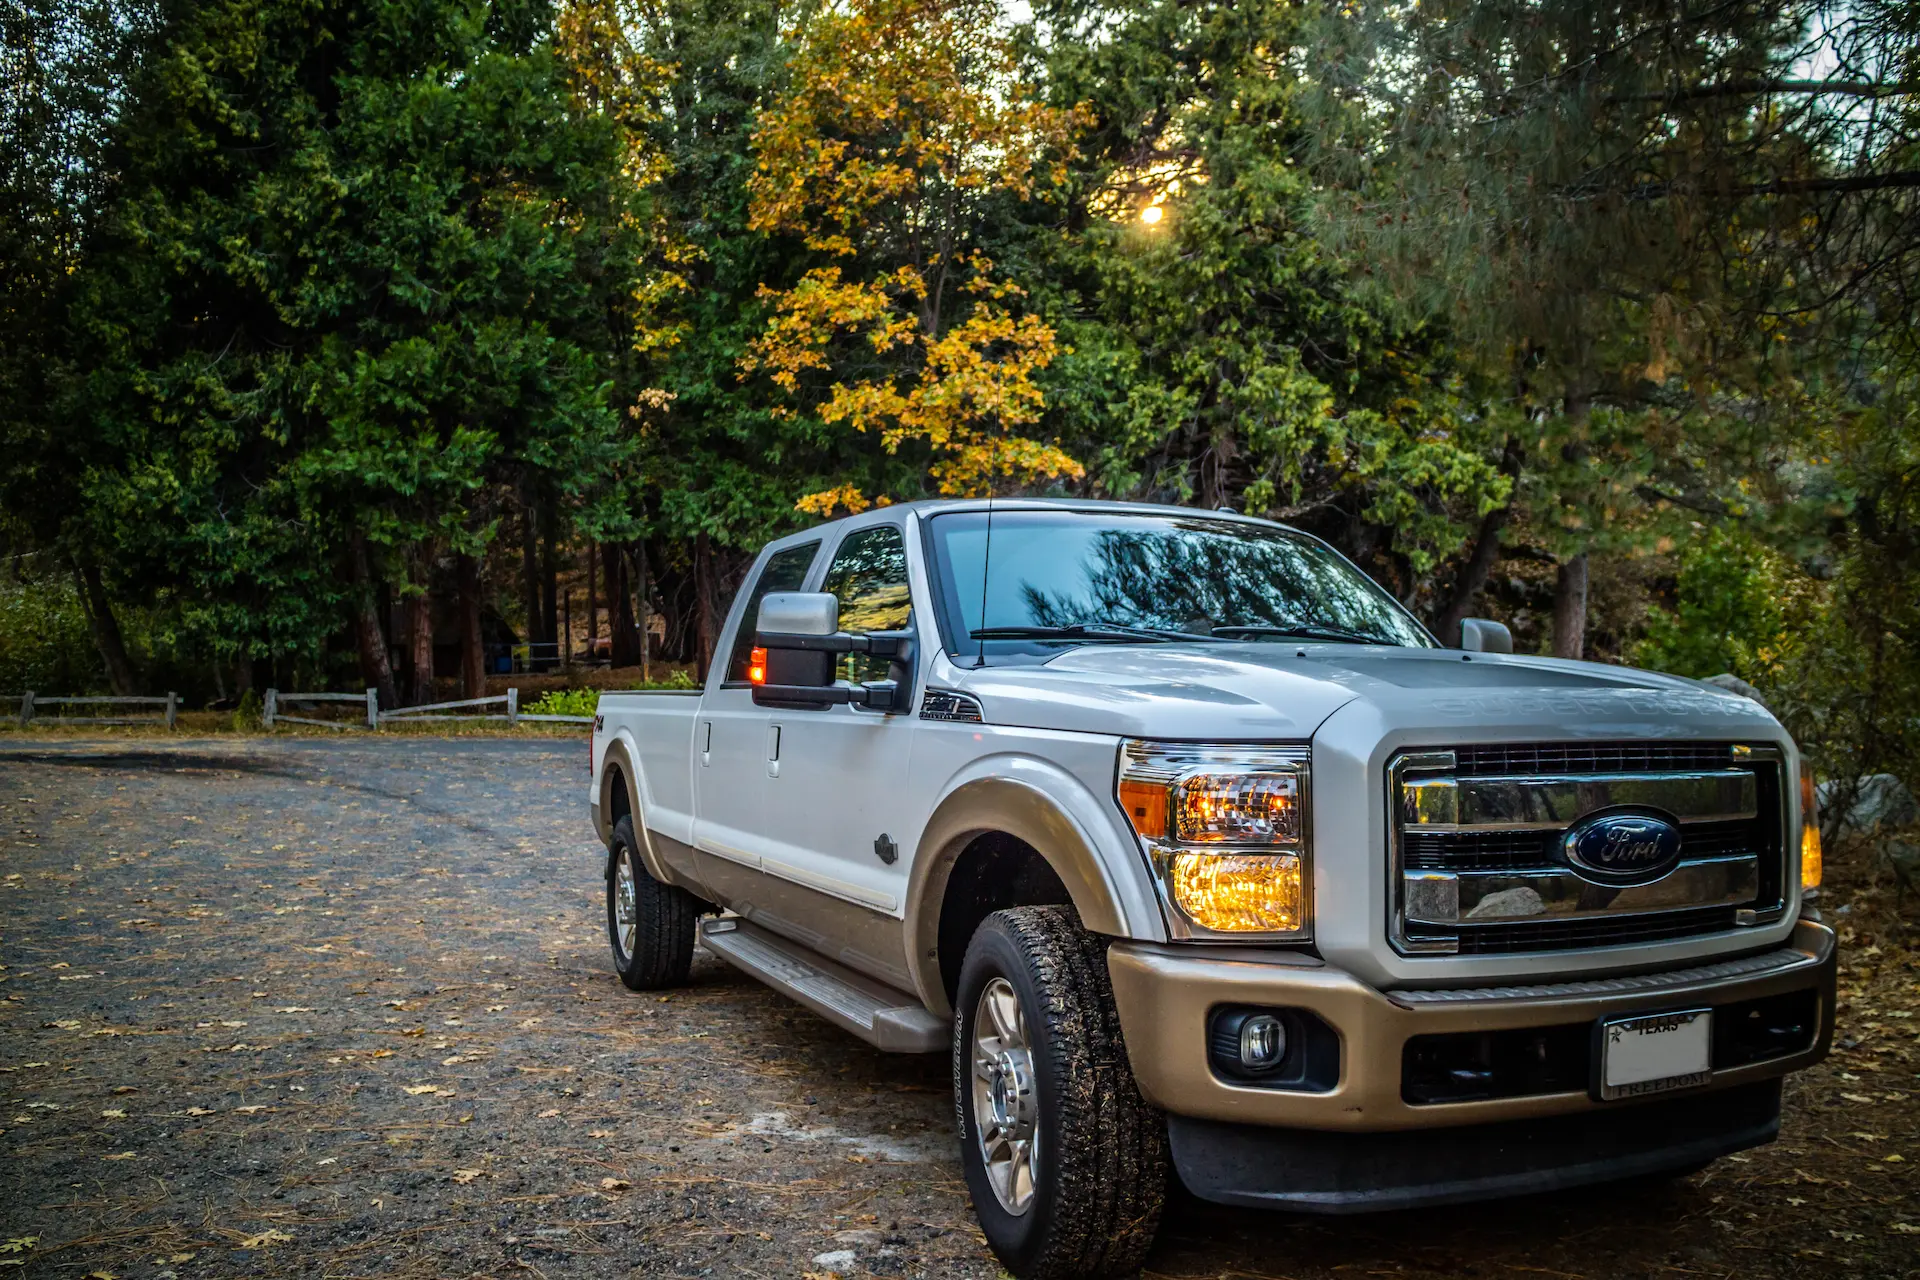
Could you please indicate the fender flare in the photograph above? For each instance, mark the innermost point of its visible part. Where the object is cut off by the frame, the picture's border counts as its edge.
(1016, 807)
(618, 761)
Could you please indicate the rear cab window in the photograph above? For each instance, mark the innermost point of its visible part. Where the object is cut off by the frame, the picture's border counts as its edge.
(786, 570)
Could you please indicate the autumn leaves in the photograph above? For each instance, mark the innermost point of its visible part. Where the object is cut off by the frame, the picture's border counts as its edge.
(902, 121)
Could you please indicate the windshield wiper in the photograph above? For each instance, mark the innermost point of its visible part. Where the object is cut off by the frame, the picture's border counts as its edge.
(1312, 630)
(1085, 631)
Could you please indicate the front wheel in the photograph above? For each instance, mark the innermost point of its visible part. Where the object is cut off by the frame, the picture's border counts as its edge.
(1066, 1163)
(650, 925)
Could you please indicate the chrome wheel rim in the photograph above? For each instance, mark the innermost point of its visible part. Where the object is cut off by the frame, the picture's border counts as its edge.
(1006, 1112)
(626, 911)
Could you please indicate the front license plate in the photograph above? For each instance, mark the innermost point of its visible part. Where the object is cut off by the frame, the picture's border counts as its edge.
(1655, 1053)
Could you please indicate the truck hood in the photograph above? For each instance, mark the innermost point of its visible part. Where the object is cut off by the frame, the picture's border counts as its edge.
(1286, 691)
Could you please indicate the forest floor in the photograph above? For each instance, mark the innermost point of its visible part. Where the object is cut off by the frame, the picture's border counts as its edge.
(342, 1007)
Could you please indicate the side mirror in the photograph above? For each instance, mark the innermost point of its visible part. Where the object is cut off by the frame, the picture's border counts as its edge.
(1484, 635)
(798, 640)
(803, 613)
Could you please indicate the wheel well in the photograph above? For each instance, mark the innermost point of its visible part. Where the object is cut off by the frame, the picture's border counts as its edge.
(618, 804)
(994, 872)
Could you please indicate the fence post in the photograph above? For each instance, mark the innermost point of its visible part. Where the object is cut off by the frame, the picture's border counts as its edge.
(173, 706)
(26, 707)
(266, 714)
(513, 707)
(373, 708)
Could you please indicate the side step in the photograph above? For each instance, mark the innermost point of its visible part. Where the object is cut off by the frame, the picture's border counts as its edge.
(884, 1018)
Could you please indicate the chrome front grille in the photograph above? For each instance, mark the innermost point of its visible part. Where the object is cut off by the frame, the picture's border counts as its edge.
(1485, 844)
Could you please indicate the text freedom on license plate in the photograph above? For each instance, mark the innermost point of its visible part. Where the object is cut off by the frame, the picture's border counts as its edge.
(1655, 1053)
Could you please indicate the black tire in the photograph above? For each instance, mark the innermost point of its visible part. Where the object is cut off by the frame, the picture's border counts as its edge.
(1099, 1171)
(660, 953)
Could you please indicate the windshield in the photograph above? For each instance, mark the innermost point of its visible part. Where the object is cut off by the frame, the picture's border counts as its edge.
(1084, 577)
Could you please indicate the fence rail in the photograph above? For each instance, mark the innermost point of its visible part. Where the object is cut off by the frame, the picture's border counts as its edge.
(270, 713)
(275, 710)
(461, 709)
(30, 705)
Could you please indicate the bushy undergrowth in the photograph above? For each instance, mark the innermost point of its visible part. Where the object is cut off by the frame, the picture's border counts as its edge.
(44, 642)
(565, 702)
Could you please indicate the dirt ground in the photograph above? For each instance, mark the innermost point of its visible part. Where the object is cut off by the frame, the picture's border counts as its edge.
(342, 1007)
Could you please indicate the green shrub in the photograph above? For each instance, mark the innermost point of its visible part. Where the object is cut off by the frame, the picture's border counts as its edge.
(565, 702)
(44, 641)
(1728, 613)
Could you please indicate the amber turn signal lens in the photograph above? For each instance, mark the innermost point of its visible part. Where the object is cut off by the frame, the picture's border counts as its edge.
(1810, 867)
(757, 667)
(1239, 892)
(1146, 806)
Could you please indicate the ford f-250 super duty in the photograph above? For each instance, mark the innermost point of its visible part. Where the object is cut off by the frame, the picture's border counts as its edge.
(1199, 853)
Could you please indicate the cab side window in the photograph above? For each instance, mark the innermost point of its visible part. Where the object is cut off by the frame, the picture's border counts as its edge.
(786, 570)
(869, 575)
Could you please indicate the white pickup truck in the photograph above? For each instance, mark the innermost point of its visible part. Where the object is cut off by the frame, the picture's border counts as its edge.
(1200, 855)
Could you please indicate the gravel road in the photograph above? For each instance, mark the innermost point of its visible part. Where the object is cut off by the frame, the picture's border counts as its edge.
(342, 1007)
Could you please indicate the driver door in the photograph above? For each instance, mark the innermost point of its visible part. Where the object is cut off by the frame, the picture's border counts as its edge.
(841, 782)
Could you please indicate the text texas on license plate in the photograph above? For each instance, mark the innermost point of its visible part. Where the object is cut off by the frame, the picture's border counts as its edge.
(1655, 1053)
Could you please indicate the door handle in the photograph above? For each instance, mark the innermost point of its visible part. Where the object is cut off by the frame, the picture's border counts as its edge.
(706, 743)
(773, 751)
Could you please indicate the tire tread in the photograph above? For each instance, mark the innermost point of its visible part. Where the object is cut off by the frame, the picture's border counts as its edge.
(1112, 1184)
(667, 917)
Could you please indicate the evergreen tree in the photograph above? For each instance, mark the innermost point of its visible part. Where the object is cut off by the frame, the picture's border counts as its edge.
(352, 285)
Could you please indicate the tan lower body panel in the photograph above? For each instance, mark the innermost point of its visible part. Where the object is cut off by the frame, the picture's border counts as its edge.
(1165, 993)
(862, 939)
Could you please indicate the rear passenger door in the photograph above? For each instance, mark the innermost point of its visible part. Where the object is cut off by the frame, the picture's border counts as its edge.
(730, 742)
(842, 778)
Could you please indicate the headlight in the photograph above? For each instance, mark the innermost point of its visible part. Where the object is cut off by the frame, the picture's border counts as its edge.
(1226, 830)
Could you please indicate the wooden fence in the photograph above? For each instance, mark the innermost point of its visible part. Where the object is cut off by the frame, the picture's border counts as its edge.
(277, 702)
(30, 705)
(463, 709)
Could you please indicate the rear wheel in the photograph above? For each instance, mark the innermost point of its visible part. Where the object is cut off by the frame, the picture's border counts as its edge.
(650, 925)
(1066, 1163)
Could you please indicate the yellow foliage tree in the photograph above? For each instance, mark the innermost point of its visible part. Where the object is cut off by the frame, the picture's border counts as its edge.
(902, 119)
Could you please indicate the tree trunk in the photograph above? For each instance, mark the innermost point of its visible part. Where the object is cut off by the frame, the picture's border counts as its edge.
(643, 604)
(625, 645)
(1473, 577)
(106, 630)
(593, 602)
(1570, 608)
(706, 629)
(530, 569)
(420, 628)
(549, 576)
(420, 619)
(473, 653)
(1570, 589)
(375, 668)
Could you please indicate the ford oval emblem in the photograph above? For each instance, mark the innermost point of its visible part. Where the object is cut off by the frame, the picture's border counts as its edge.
(1623, 848)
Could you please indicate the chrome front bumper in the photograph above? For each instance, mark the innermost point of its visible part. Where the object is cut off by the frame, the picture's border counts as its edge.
(1165, 995)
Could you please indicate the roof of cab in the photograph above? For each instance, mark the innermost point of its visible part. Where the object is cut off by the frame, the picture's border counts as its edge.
(936, 506)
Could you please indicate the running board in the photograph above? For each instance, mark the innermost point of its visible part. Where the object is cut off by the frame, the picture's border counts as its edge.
(884, 1018)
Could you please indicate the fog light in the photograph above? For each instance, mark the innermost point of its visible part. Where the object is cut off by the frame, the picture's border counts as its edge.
(1263, 1042)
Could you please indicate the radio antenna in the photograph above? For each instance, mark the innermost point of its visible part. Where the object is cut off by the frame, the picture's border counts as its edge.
(986, 563)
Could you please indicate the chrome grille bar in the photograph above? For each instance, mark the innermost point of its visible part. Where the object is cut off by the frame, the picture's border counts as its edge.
(1551, 804)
